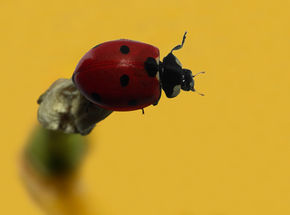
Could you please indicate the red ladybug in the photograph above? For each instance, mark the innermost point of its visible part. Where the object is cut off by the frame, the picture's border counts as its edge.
(124, 75)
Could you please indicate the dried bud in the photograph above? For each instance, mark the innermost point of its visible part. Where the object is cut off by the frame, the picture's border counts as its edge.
(63, 108)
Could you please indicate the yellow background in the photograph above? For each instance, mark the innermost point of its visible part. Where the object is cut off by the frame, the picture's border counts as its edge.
(227, 153)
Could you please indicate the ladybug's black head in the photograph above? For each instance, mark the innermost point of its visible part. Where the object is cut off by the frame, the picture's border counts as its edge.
(187, 82)
(173, 77)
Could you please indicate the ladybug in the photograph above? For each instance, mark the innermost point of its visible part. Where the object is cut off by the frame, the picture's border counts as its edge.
(125, 75)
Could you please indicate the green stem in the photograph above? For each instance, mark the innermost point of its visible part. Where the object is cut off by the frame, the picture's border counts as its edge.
(53, 153)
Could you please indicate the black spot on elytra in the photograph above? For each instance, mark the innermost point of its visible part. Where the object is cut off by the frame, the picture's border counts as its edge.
(96, 97)
(124, 49)
(151, 66)
(124, 80)
(133, 102)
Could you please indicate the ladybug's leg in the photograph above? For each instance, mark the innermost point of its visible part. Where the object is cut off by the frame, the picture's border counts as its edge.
(181, 45)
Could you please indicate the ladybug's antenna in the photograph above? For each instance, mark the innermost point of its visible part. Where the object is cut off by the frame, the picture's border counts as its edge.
(181, 45)
(198, 73)
(201, 94)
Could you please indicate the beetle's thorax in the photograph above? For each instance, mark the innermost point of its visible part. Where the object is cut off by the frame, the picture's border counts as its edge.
(174, 77)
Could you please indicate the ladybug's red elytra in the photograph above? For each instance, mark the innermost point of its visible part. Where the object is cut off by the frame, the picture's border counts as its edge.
(125, 75)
